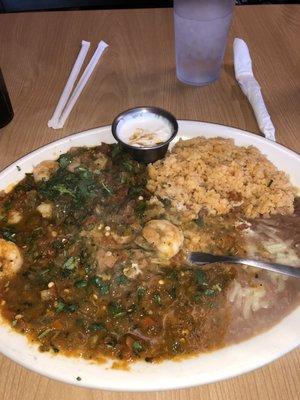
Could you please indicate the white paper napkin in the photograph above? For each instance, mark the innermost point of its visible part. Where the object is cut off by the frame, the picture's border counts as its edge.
(250, 87)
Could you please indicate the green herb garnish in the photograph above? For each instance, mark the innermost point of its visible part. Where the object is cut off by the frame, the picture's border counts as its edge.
(71, 263)
(116, 309)
(140, 292)
(140, 208)
(59, 306)
(100, 284)
(106, 190)
(8, 234)
(116, 150)
(72, 308)
(157, 298)
(135, 191)
(128, 165)
(197, 298)
(209, 292)
(137, 347)
(64, 160)
(97, 326)
(62, 189)
(173, 292)
(200, 276)
(81, 283)
(45, 333)
(121, 280)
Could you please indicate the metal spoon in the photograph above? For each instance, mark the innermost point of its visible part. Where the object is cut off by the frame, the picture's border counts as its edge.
(206, 258)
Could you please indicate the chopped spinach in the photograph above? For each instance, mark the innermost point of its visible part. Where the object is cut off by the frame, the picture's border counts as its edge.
(173, 292)
(172, 274)
(62, 189)
(128, 165)
(81, 283)
(121, 280)
(3, 218)
(79, 187)
(106, 190)
(97, 326)
(7, 205)
(84, 172)
(71, 263)
(8, 234)
(140, 292)
(141, 208)
(209, 292)
(59, 306)
(116, 310)
(45, 332)
(100, 284)
(200, 276)
(137, 347)
(197, 298)
(58, 244)
(116, 150)
(135, 191)
(72, 308)
(156, 298)
(64, 160)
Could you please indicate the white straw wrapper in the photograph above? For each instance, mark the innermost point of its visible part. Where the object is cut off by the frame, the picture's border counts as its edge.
(81, 84)
(52, 123)
(250, 87)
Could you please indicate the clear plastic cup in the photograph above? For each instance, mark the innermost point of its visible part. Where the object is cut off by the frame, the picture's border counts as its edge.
(201, 30)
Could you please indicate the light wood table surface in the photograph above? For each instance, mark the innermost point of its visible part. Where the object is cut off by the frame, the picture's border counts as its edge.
(36, 53)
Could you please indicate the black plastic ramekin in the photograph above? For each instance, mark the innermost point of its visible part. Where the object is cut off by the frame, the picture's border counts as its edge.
(146, 154)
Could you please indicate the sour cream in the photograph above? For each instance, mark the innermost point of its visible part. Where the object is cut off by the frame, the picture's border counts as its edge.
(144, 130)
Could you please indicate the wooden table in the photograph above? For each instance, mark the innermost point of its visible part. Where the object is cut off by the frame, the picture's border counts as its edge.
(36, 53)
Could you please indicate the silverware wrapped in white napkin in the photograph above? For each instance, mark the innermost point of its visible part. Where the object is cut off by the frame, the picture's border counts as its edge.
(251, 88)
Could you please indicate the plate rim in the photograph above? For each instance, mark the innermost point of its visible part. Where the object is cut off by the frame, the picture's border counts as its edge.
(169, 385)
(103, 127)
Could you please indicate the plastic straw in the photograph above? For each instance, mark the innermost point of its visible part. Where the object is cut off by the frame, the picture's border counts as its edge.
(81, 84)
(52, 123)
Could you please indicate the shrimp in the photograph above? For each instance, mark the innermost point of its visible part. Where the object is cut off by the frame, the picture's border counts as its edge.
(10, 258)
(166, 237)
(14, 217)
(45, 209)
(44, 170)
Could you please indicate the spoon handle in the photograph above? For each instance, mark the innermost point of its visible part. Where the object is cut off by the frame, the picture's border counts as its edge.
(205, 258)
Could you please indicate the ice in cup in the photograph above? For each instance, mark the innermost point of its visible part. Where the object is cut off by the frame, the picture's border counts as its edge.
(201, 30)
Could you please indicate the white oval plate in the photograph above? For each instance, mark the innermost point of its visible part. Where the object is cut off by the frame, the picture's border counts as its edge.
(205, 368)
